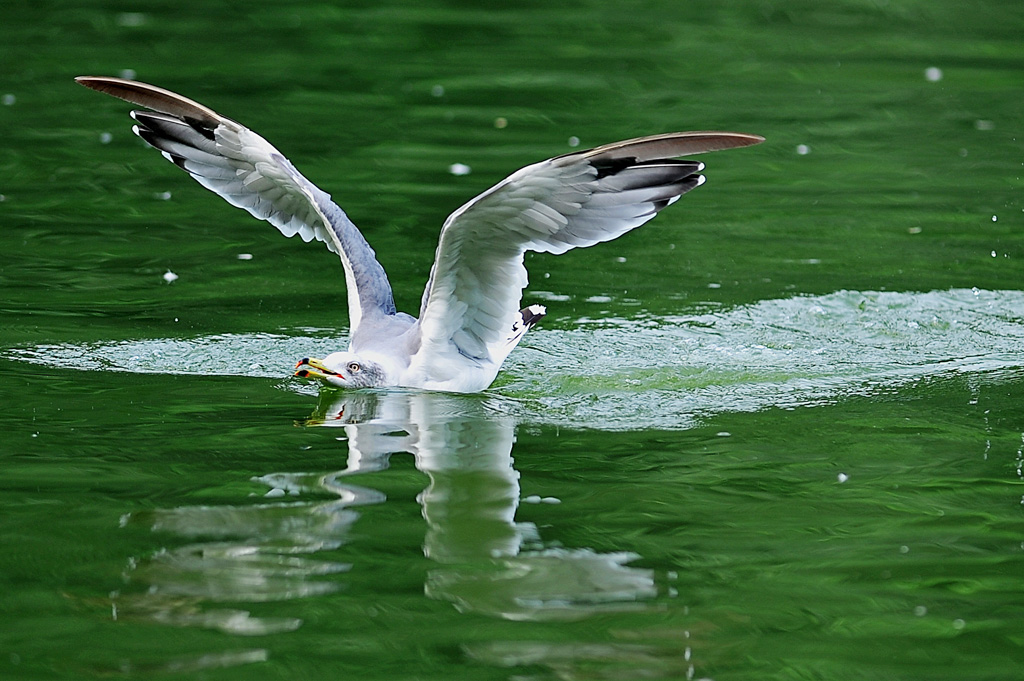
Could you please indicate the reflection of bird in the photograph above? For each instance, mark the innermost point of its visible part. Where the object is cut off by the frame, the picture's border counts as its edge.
(469, 317)
(487, 560)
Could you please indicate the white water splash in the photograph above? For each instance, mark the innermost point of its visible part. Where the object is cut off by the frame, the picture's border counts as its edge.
(665, 372)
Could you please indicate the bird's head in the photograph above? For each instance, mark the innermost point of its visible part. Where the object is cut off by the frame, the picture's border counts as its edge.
(343, 369)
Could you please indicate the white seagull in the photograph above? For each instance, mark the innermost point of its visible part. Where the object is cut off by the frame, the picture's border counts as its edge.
(469, 316)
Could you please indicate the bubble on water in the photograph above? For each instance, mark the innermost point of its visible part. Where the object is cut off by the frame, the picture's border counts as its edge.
(106, 138)
(130, 19)
(803, 149)
(128, 74)
(842, 477)
(8, 99)
(933, 74)
(459, 169)
(437, 91)
(574, 141)
(170, 276)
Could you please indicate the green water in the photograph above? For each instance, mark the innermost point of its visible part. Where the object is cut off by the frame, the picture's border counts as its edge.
(775, 434)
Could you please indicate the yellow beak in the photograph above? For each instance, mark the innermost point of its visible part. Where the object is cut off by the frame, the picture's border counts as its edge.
(311, 367)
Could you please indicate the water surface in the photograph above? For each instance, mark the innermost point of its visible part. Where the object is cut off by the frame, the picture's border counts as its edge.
(775, 434)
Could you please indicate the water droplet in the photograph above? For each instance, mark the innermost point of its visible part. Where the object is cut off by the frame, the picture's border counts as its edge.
(130, 19)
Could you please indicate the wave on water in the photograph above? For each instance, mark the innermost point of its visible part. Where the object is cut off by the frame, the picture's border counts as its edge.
(663, 372)
(667, 372)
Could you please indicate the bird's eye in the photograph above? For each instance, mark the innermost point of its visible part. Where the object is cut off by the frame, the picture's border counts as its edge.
(354, 367)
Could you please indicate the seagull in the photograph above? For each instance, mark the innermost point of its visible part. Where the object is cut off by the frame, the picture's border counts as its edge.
(469, 319)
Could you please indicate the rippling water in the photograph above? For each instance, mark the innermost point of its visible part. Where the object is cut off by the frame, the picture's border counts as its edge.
(777, 433)
(664, 372)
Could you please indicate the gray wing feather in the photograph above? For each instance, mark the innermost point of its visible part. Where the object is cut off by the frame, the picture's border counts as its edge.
(248, 172)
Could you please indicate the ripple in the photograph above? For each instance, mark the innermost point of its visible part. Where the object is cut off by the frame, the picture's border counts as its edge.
(663, 372)
(668, 372)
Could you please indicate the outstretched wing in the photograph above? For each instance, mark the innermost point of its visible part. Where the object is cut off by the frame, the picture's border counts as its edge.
(247, 171)
(570, 201)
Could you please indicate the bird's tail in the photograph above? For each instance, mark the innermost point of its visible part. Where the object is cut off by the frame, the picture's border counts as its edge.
(528, 316)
